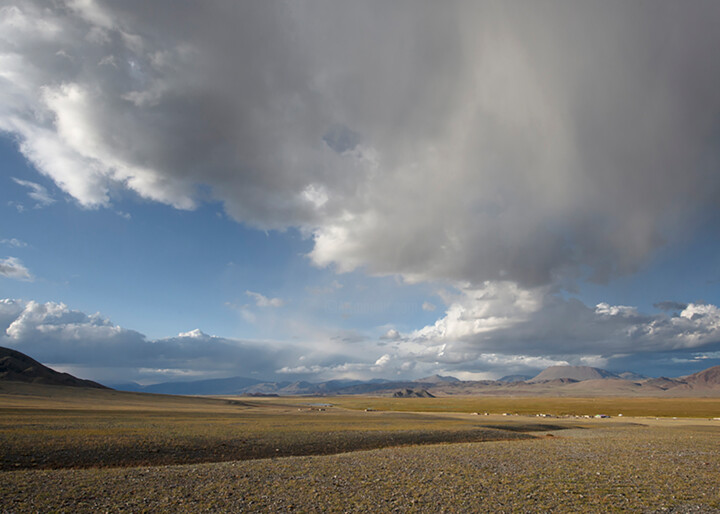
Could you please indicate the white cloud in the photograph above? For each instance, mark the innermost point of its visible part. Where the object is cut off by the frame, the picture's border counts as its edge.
(384, 360)
(53, 333)
(37, 192)
(58, 335)
(194, 334)
(15, 243)
(10, 309)
(383, 366)
(264, 301)
(11, 267)
(429, 307)
(502, 318)
(392, 334)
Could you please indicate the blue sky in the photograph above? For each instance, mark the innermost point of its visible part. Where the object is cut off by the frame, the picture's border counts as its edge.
(282, 192)
(190, 269)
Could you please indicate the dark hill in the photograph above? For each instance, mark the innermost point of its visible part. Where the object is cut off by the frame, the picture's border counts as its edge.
(18, 367)
(413, 393)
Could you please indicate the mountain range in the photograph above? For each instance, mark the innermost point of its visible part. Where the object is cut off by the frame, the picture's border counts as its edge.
(554, 381)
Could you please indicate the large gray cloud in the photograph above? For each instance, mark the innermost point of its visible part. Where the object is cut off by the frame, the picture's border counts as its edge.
(466, 141)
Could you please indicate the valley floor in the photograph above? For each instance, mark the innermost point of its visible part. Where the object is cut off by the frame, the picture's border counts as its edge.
(628, 468)
(78, 451)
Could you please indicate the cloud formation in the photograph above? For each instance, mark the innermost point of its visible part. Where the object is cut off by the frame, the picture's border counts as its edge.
(471, 141)
(55, 334)
(486, 333)
(15, 243)
(11, 267)
(501, 324)
(264, 301)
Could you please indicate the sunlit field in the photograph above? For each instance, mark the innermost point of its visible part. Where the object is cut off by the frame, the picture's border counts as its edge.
(612, 406)
(68, 449)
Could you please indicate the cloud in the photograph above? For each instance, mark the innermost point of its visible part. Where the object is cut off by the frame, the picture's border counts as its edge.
(670, 306)
(429, 307)
(501, 318)
(383, 366)
(493, 144)
(468, 342)
(94, 347)
(329, 289)
(509, 151)
(11, 267)
(55, 334)
(15, 243)
(391, 335)
(263, 301)
(37, 193)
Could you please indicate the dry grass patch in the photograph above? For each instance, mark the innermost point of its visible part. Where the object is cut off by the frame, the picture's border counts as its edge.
(636, 407)
(131, 430)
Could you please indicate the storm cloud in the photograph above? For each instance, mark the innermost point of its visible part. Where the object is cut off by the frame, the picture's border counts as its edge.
(468, 141)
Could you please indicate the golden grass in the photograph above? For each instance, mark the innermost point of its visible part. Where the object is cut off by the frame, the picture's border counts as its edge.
(63, 427)
(43, 426)
(627, 464)
(612, 406)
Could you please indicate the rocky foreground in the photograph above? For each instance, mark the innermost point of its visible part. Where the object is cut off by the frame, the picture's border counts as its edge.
(653, 467)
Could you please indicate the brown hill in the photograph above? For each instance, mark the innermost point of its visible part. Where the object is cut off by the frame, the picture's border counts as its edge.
(707, 378)
(663, 383)
(18, 367)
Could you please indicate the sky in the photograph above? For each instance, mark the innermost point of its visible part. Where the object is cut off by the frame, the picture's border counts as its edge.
(313, 190)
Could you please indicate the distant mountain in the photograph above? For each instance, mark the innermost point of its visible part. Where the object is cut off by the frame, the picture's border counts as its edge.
(629, 375)
(380, 388)
(554, 381)
(232, 385)
(244, 385)
(18, 367)
(578, 373)
(133, 387)
(514, 378)
(437, 379)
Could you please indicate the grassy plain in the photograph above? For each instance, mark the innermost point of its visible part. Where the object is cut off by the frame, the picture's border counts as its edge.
(79, 450)
(635, 407)
(52, 427)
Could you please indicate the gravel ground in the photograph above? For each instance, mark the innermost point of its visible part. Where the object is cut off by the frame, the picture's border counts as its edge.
(630, 468)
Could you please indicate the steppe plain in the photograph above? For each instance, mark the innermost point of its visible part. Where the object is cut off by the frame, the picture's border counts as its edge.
(81, 450)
